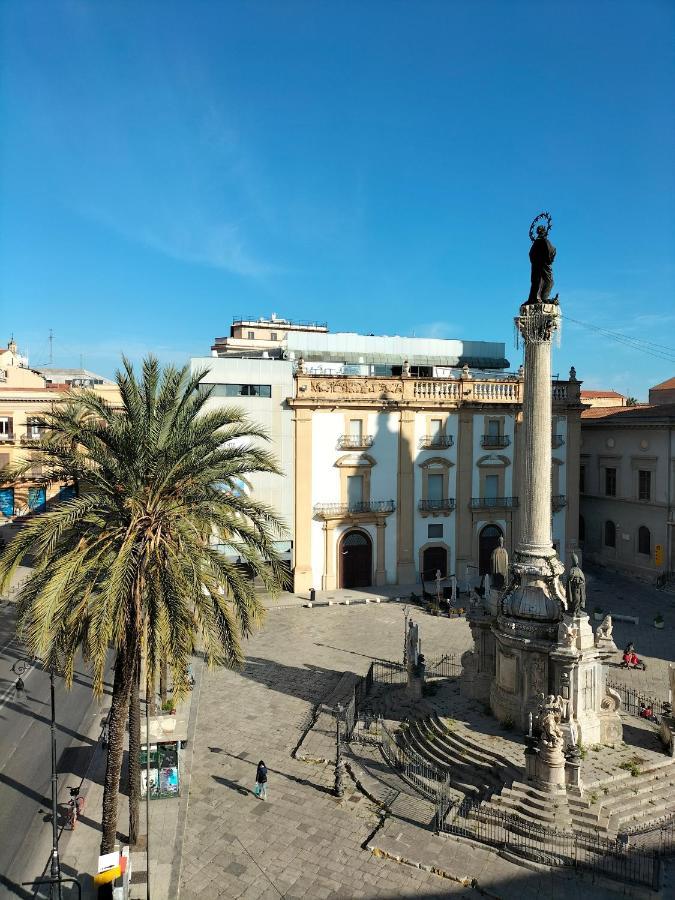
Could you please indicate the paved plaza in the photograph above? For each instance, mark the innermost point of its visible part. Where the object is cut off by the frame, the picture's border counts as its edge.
(302, 842)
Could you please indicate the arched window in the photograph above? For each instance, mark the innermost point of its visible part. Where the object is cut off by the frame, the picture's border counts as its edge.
(644, 540)
(610, 534)
(582, 529)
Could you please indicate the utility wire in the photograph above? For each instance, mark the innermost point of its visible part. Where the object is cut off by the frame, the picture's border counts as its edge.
(658, 351)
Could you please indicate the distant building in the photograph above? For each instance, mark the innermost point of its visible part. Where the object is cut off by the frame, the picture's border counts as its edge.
(662, 393)
(403, 455)
(627, 487)
(26, 396)
(603, 398)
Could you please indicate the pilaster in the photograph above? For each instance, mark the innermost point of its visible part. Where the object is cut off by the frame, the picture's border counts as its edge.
(405, 518)
(302, 571)
(381, 570)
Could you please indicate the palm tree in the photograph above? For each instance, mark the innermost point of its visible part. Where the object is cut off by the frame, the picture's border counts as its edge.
(134, 560)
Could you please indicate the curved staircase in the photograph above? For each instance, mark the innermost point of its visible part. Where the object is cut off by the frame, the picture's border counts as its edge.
(469, 767)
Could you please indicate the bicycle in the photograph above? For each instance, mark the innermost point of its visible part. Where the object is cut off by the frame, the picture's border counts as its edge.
(75, 807)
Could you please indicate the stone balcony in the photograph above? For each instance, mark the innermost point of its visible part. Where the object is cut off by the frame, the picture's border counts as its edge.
(441, 507)
(355, 441)
(362, 508)
(494, 502)
(436, 441)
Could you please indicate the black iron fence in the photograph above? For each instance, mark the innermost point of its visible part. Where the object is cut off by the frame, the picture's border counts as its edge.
(427, 779)
(635, 702)
(446, 666)
(613, 858)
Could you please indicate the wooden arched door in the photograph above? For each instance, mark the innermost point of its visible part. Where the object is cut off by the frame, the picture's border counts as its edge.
(487, 541)
(434, 559)
(356, 559)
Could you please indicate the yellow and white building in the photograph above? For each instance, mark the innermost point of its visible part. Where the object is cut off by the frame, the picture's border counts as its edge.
(403, 455)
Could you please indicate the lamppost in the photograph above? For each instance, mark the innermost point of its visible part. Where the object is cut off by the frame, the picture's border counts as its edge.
(405, 636)
(339, 762)
(55, 879)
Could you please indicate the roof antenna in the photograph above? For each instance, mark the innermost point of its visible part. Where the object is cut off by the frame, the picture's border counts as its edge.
(51, 346)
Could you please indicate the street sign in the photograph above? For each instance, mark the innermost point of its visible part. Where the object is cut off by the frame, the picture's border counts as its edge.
(658, 554)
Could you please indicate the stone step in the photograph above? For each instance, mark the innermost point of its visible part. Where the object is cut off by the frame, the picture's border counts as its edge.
(645, 815)
(623, 777)
(636, 795)
(454, 757)
(453, 763)
(461, 740)
(553, 818)
(459, 780)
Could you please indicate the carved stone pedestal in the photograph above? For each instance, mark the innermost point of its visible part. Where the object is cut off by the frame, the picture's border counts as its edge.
(551, 766)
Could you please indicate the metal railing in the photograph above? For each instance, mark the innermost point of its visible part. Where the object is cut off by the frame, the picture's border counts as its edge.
(557, 440)
(548, 846)
(362, 506)
(493, 502)
(436, 441)
(494, 441)
(355, 441)
(633, 701)
(445, 666)
(558, 501)
(446, 504)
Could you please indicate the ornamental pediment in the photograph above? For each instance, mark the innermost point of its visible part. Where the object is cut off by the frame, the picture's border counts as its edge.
(493, 459)
(436, 462)
(352, 460)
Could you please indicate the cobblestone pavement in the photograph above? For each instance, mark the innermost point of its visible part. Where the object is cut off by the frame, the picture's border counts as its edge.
(303, 842)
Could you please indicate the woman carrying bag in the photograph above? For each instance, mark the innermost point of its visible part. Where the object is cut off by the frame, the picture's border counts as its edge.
(261, 781)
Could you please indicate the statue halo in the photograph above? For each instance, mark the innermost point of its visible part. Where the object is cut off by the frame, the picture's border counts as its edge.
(549, 224)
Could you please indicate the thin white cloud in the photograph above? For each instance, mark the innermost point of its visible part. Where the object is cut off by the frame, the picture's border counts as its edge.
(437, 329)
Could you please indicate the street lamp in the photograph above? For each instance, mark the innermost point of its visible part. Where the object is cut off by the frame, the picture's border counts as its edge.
(339, 762)
(55, 879)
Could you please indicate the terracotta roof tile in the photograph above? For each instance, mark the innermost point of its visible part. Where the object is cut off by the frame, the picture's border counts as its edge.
(667, 385)
(593, 395)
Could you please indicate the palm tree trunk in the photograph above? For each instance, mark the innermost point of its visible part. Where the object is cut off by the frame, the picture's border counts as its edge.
(124, 674)
(134, 754)
(162, 681)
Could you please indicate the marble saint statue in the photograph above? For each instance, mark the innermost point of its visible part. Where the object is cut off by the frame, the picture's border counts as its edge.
(576, 588)
(499, 565)
(542, 254)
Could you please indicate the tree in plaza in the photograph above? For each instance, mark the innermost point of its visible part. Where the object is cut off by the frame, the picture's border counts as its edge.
(132, 563)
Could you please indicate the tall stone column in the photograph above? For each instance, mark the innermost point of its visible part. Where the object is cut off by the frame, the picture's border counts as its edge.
(536, 323)
(302, 572)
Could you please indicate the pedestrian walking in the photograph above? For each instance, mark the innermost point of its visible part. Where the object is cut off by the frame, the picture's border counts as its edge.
(261, 781)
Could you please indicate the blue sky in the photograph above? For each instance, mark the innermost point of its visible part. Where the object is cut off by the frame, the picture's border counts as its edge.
(168, 165)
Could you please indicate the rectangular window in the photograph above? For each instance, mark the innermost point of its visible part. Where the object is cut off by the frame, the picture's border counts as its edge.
(251, 335)
(582, 479)
(493, 427)
(434, 531)
(491, 487)
(273, 335)
(356, 428)
(354, 490)
(610, 482)
(436, 427)
(7, 502)
(435, 487)
(644, 484)
(242, 390)
(5, 427)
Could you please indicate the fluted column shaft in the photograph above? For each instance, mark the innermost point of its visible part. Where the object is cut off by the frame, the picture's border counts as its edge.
(536, 324)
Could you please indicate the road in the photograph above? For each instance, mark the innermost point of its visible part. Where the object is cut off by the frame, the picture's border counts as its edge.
(25, 756)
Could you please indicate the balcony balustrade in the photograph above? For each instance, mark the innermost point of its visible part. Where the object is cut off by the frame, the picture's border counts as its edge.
(558, 501)
(495, 441)
(331, 510)
(436, 441)
(445, 505)
(7, 438)
(493, 502)
(355, 441)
